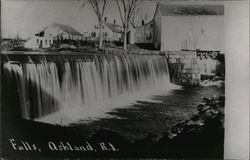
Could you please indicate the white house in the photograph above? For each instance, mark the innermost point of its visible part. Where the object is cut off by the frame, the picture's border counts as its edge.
(181, 27)
(51, 33)
(61, 32)
(110, 31)
(39, 42)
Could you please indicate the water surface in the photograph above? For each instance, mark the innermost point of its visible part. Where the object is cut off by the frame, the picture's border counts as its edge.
(153, 117)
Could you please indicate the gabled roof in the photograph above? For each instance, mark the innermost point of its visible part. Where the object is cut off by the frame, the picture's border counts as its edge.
(152, 20)
(40, 34)
(67, 29)
(114, 27)
(171, 9)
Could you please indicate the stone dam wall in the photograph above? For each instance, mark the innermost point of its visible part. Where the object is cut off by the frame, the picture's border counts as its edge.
(185, 67)
(189, 67)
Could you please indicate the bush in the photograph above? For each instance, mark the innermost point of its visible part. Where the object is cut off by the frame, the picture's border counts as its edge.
(20, 49)
(117, 43)
(147, 46)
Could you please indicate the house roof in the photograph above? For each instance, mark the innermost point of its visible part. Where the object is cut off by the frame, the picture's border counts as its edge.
(67, 28)
(170, 9)
(152, 20)
(114, 27)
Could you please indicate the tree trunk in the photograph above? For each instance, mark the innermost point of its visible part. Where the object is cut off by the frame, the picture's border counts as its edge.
(125, 38)
(125, 32)
(100, 34)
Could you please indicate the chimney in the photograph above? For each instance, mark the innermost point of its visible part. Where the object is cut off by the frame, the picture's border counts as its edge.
(114, 21)
(105, 19)
(142, 22)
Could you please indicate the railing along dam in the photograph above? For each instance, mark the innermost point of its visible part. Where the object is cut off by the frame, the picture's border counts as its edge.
(49, 83)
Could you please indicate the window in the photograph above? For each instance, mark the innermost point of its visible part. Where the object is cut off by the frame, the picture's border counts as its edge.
(50, 42)
(93, 34)
(148, 35)
(105, 34)
(96, 27)
(37, 41)
(46, 42)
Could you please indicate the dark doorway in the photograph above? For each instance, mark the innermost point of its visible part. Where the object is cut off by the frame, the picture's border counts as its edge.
(41, 44)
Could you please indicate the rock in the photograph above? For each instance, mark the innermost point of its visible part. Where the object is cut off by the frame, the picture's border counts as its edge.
(207, 83)
(212, 110)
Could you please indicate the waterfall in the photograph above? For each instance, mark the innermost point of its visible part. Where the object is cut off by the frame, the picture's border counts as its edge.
(50, 84)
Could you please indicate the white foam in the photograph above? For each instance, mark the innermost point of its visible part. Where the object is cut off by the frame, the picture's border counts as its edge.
(97, 110)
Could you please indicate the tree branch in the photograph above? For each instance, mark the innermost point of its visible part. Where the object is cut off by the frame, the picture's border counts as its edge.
(120, 12)
(103, 7)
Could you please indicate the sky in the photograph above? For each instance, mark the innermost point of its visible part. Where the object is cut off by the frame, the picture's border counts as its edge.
(27, 17)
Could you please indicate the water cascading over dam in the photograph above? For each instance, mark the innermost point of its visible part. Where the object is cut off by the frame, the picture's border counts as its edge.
(50, 83)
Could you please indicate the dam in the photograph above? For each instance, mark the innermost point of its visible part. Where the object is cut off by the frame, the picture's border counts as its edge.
(66, 88)
(50, 83)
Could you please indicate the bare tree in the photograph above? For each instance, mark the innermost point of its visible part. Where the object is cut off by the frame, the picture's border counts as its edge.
(139, 16)
(99, 8)
(126, 10)
(134, 19)
(144, 16)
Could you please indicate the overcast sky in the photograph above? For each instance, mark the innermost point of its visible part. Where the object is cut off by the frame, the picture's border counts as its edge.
(28, 17)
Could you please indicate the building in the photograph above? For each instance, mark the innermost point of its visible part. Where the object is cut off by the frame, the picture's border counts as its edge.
(39, 42)
(142, 34)
(110, 31)
(51, 33)
(62, 32)
(183, 27)
(189, 27)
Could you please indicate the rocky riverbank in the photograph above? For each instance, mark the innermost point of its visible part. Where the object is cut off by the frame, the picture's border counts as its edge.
(211, 113)
(201, 136)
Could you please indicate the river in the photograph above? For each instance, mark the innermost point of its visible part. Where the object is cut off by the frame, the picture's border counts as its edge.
(129, 94)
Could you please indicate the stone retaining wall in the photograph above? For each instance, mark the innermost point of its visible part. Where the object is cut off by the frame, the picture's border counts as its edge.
(186, 67)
